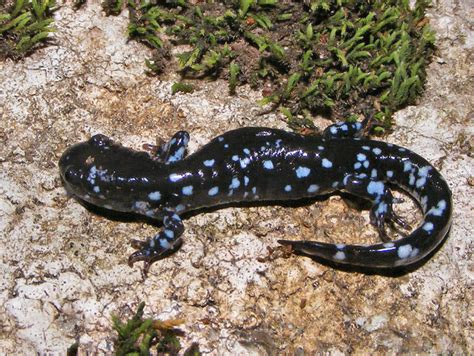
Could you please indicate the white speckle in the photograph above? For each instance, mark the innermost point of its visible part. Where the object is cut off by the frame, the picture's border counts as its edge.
(428, 226)
(313, 188)
(373, 174)
(209, 162)
(340, 255)
(188, 190)
(154, 196)
(361, 157)
(440, 207)
(302, 172)
(424, 202)
(235, 158)
(390, 174)
(390, 144)
(333, 130)
(366, 164)
(226, 146)
(246, 194)
(375, 188)
(357, 165)
(388, 244)
(414, 252)
(165, 244)
(213, 191)
(340, 246)
(246, 151)
(326, 163)
(246, 180)
(335, 184)
(235, 183)
(376, 150)
(268, 165)
(404, 251)
(288, 188)
(358, 125)
(231, 191)
(179, 207)
(401, 149)
(96, 189)
(244, 162)
(367, 148)
(108, 206)
(407, 166)
(174, 177)
(254, 190)
(421, 182)
(412, 179)
(344, 127)
(278, 143)
(169, 233)
(220, 139)
(321, 148)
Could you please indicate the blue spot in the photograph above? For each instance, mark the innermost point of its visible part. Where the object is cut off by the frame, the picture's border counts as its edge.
(367, 148)
(428, 227)
(377, 150)
(96, 189)
(366, 164)
(188, 190)
(407, 166)
(326, 163)
(213, 191)
(321, 148)
(235, 158)
(344, 127)
(288, 188)
(179, 207)
(165, 244)
(302, 172)
(440, 207)
(358, 125)
(246, 151)
(357, 165)
(246, 180)
(154, 196)
(174, 177)
(333, 130)
(421, 182)
(313, 188)
(209, 162)
(235, 183)
(361, 157)
(423, 172)
(278, 143)
(375, 188)
(254, 190)
(244, 162)
(268, 165)
(220, 139)
(169, 233)
(226, 146)
(373, 174)
(390, 174)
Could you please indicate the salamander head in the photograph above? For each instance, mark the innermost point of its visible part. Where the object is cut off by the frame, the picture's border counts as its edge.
(79, 167)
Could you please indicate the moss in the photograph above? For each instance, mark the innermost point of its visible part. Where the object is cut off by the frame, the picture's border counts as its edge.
(139, 336)
(336, 58)
(24, 26)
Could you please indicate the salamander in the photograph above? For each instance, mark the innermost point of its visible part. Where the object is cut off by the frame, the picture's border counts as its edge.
(255, 164)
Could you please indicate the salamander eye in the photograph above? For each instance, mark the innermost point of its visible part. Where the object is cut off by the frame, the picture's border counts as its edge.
(100, 140)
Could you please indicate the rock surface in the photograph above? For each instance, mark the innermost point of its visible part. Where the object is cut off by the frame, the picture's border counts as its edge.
(64, 269)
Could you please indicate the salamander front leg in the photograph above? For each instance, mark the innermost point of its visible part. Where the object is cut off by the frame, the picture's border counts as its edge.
(172, 151)
(160, 245)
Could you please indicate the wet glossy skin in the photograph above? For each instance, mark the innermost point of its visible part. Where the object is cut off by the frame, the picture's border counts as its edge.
(262, 164)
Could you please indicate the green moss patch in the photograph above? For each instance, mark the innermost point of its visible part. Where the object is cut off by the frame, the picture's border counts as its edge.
(24, 25)
(338, 58)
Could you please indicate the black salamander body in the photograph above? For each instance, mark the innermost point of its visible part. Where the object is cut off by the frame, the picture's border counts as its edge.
(262, 164)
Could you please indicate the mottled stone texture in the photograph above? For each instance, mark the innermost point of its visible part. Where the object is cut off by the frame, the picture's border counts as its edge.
(64, 269)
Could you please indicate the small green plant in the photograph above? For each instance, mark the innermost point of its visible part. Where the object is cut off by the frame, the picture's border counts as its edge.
(336, 58)
(139, 336)
(24, 25)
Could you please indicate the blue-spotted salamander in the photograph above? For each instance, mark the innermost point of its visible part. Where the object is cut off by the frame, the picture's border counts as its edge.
(263, 164)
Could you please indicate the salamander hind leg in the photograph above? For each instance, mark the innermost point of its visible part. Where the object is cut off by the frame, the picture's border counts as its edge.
(381, 213)
(160, 245)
